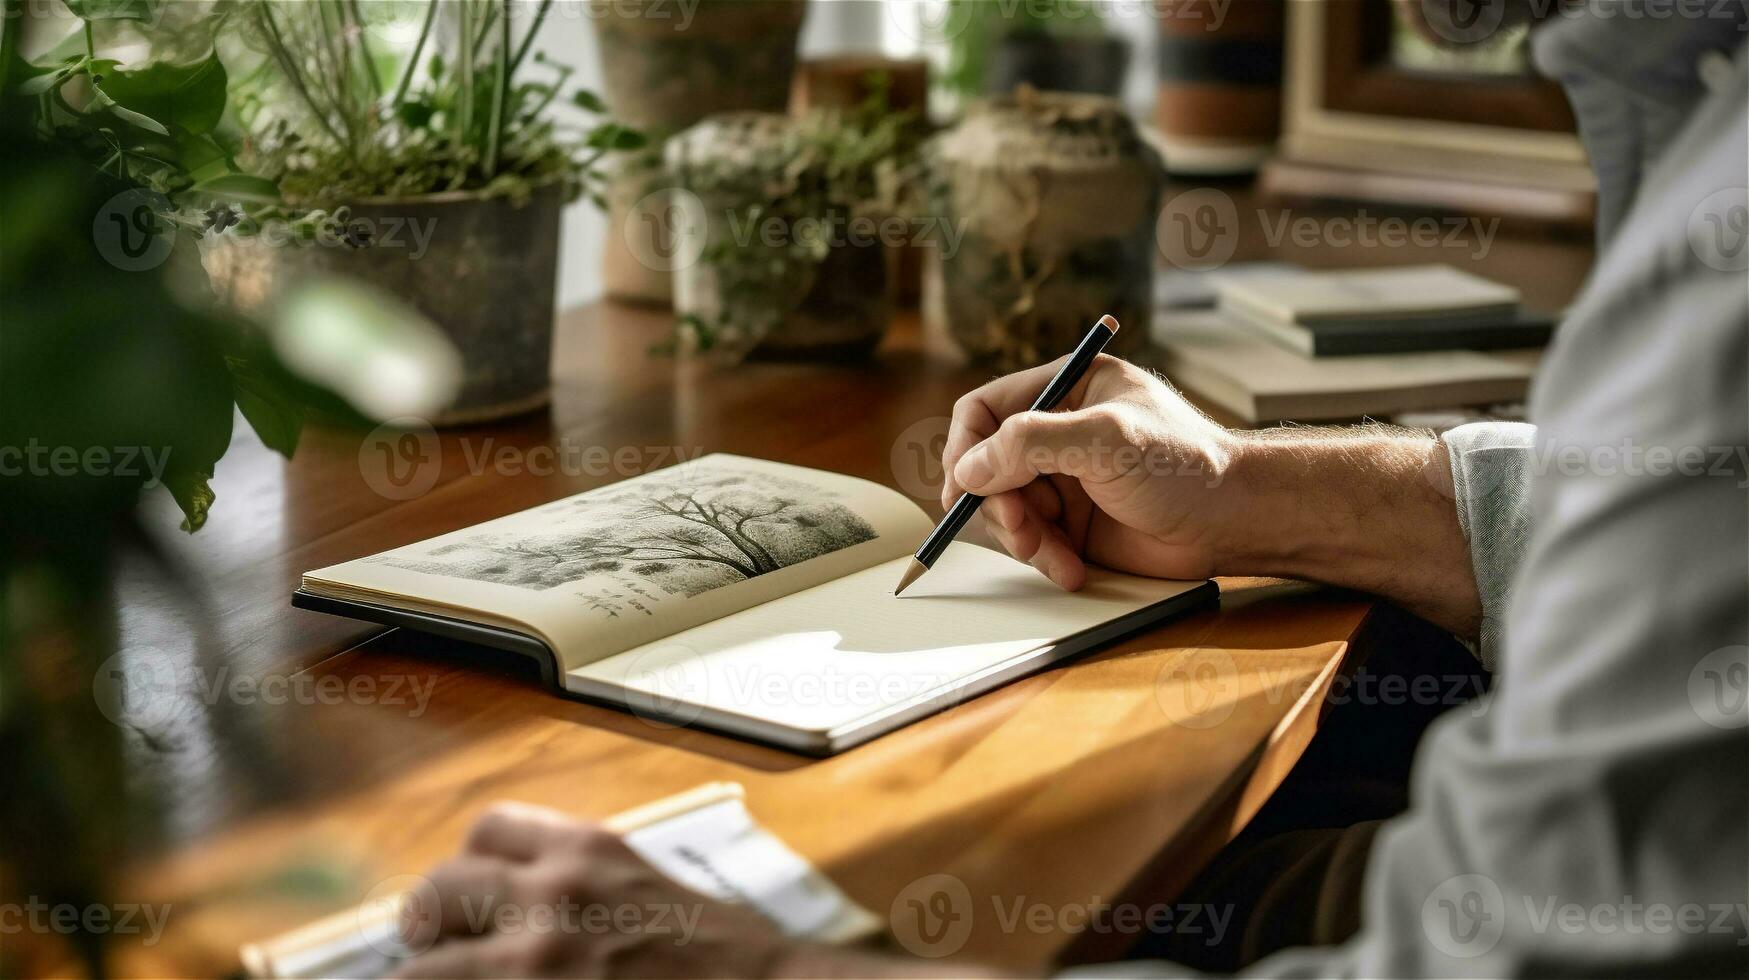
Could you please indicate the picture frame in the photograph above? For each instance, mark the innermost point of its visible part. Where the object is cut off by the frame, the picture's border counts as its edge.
(1359, 126)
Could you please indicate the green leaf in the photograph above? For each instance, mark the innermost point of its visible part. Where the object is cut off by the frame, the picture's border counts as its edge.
(240, 187)
(114, 9)
(586, 99)
(187, 96)
(193, 493)
(613, 136)
(129, 116)
(271, 411)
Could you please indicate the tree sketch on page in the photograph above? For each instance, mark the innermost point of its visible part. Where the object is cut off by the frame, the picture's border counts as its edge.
(662, 535)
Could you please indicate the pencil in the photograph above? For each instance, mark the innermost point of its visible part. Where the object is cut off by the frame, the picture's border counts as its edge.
(962, 510)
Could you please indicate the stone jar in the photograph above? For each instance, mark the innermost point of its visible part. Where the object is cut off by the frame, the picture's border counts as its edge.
(483, 269)
(1052, 198)
(741, 284)
(665, 67)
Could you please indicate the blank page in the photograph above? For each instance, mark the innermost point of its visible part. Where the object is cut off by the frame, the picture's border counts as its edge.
(828, 656)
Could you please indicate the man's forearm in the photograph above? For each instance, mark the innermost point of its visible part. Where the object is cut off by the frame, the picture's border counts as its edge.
(1369, 511)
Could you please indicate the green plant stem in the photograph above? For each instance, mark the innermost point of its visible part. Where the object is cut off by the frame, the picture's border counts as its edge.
(90, 44)
(364, 52)
(486, 27)
(464, 109)
(500, 95)
(418, 50)
(293, 75)
(540, 15)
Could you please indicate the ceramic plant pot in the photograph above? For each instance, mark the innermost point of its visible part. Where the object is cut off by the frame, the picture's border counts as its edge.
(1056, 197)
(758, 276)
(484, 269)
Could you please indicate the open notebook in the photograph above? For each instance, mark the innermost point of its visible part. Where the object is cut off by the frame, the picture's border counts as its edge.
(750, 597)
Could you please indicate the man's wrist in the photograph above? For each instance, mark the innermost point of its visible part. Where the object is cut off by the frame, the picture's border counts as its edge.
(1368, 509)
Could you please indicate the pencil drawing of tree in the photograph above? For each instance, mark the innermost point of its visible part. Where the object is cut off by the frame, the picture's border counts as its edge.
(686, 536)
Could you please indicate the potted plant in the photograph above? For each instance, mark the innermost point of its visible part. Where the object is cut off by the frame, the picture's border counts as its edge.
(1054, 197)
(665, 67)
(437, 176)
(117, 378)
(783, 223)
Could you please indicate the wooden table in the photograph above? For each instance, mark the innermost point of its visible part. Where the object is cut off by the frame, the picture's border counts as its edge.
(1115, 777)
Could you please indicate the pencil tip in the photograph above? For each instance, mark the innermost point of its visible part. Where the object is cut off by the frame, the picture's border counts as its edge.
(913, 572)
(1110, 322)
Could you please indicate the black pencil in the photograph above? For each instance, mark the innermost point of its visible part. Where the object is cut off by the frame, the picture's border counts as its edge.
(962, 510)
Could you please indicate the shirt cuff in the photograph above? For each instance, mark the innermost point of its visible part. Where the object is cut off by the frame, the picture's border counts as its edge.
(1490, 474)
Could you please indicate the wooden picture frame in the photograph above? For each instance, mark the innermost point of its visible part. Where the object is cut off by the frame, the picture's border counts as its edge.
(1357, 126)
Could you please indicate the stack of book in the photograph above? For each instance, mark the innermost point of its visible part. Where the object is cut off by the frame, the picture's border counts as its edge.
(1319, 345)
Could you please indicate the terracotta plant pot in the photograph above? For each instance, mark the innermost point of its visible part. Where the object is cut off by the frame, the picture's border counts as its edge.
(661, 77)
(1056, 197)
(483, 269)
(746, 291)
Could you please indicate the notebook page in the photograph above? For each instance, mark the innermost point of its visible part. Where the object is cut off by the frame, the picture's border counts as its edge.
(838, 652)
(634, 561)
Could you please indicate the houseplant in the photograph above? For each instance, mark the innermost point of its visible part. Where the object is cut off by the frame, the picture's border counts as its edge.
(1054, 196)
(437, 175)
(786, 221)
(664, 68)
(105, 361)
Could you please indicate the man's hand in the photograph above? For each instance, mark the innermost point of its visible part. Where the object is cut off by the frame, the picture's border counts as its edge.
(1128, 475)
(536, 894)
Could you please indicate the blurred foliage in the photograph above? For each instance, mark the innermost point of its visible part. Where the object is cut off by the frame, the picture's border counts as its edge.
(334, 118)
(829, 168)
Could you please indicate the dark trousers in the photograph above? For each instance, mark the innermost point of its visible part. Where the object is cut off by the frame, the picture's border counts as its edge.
(1293, 876)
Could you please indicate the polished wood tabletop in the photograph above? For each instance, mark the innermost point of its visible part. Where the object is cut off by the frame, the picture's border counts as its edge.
(323, 756)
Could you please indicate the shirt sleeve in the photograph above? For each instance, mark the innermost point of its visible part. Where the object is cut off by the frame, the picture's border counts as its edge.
(1490, 474)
